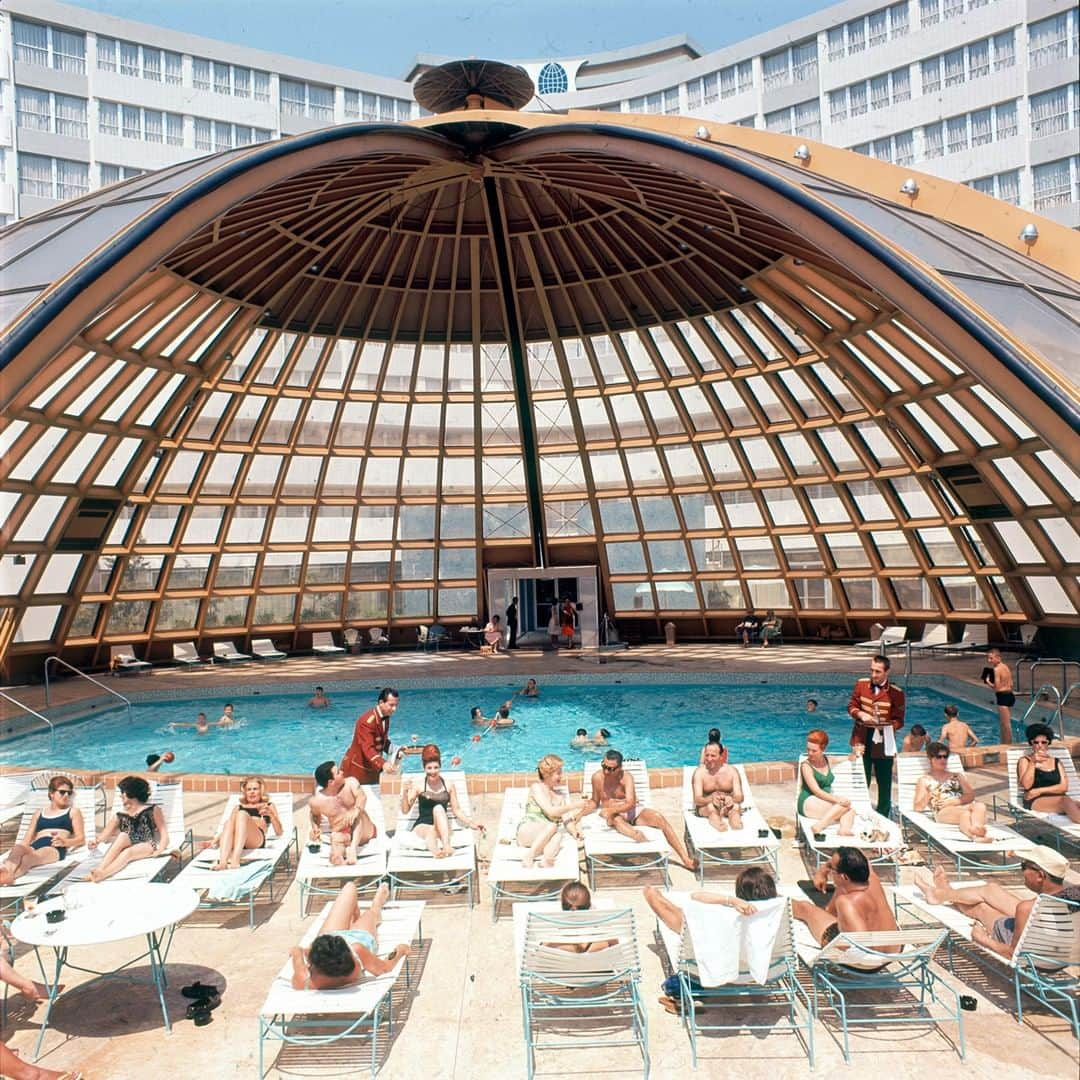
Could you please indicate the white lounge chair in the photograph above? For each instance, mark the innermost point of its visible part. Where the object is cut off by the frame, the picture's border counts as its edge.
(973, 639)
(966, 853)
(853, 963)
(323, 645)
(185, 654)
(890, 635)
(1069, 830)
(35, 880)
(608, 849)
(850, 783)
(226, 651)
(257, 865)
(377, 636)
(507, 877)
(933, 636)
(728, 848)
(353, 1012)
(412, 866)
(14, 790)
(122, 661)
(560, 990)
(780, 987)
(1046, 961)
(353, 640)
(264, 649)
(370, 862)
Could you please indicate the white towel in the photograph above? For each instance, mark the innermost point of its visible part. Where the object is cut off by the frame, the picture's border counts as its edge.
(727, 943)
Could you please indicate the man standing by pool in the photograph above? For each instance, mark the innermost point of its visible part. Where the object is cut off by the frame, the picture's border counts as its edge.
(1001, 681)
(877, 708)
(364, 759)
(512, 623)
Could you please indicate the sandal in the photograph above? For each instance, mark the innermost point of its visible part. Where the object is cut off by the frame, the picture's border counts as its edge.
(198, 990)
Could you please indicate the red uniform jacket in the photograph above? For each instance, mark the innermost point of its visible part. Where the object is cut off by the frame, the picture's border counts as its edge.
(889, 700)
(371, 738)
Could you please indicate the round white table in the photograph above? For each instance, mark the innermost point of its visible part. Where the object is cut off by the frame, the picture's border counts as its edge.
(99, 913)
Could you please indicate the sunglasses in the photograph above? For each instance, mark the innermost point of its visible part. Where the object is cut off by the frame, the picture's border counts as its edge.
(1040, 742)
(64, 791)
(609, 768)
(941, 757)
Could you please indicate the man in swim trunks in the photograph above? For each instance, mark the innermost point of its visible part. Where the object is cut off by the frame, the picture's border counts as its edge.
(1001, 680)
(364, 758)
(342, 801)
(955, 734)
(1000, 916)
(614, 797)
(857, 905)
(345, 949)
(718, 793)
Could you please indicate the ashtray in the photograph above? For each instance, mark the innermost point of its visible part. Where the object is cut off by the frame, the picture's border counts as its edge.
(819, 837)
(58, 915)
(314, 848)
(763, 832)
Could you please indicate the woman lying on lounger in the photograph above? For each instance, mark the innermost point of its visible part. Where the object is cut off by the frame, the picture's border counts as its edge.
(53, 830)
(545, 811)
(347, 947)
(139, 829)
(948, 797)
(816, 799)
(246, 827)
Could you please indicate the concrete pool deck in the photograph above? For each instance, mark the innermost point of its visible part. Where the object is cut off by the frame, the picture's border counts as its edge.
(463, 1018)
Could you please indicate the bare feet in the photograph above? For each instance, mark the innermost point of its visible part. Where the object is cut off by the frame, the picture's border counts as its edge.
(526, 862)
(219, 865)
(337, 856)
(637, 836)
(350, 855)
(931, 889)
(690, 864)
(444, 852)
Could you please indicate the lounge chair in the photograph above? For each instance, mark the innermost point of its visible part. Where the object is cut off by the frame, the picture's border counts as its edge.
(505, 870)
(320, 1017)
(226, 651)
(973, 639)
(561, 990)
(353, 641)
(185, 654)
(438, 635)
(370, 863)
(422, 637)
(14, 790)
(377, 636)
(263, 649)
(850, 783)
(607, 849)
(35, 880)
(949, 839)
(1063, 827)
(934, 635)
(229, 888)
(889, 636)
(780, 986)
(323, 645)
(122, 661)
(853, 963)
(754, 842)
(1046, 961)
(412, 866)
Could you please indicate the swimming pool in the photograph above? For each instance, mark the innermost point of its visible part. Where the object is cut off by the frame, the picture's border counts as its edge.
(663, 722)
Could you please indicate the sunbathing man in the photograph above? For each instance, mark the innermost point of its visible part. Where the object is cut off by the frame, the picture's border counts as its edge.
(342, 801)
(718, 793)
(858, 903)
(345, 950)
(613, 795)
(955, 734)
(1000, 916)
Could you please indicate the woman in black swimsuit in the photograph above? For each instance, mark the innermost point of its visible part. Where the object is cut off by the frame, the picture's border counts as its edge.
(435, 802)
(1043, 783)
(139, 829)
(52, 831)
(246, 827)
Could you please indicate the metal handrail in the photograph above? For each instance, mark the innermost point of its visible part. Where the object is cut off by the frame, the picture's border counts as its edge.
(1069, 692)
(82, 675)
(1060, 661)
(32, 712)
(1046, 688)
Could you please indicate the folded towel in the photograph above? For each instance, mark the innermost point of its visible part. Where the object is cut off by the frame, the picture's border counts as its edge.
(237, 884)
(727, 943)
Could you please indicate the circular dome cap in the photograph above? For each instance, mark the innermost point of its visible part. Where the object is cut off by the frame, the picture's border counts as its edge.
(449, 87)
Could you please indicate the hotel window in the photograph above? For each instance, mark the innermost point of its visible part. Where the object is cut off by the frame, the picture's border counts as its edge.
(929, 12)
(904, 148)
(808, 119)
(321, 102)
(857, 99)
(981, 132)
(979, 59)
(203, 134)
(1049, 39)
(1050, 111)
(1004, 186)
(1053, 182)
(174, 129)
(931, 75)
(856, 36)
(693, 94)
(352, 104)
(174, 69)
(744, 76)
(728, 85)
(878, 22)
(48, 46)
(222, 78)
(262, 86)
(954, 67)
(303, 99)
(837, 105)
(836, 43)
(130, 122)
(1004, 50)
(106, 54)
(1005, 120)
(779, 121)
(775, 69)
(52, 178)
(241, 82)
(151, 59)
(200, 73)
(40, 110)
(129, 58)
(804, 61)
(900, 80)
(898, 20)
(879, 92)
(952, 9)
(111, 174)
(956, 133)
(933, 140)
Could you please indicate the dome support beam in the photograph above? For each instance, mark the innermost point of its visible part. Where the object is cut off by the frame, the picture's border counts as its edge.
(529, 446)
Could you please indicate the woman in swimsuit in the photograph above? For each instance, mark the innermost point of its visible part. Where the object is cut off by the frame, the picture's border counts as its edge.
(53, 830)
(246, 827)
(816, 799)
(546, 809)
(1042, 782)
(435, 802)
(139, 829)
(948, 797)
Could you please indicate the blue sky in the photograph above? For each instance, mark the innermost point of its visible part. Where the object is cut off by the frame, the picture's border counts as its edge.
(382, 36)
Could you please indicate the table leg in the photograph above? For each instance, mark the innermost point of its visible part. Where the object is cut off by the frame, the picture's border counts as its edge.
(54, 992)
(157, 970)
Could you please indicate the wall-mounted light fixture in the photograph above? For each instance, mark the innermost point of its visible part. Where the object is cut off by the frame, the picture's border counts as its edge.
(802, 152)
(1029, 233)
(702, 132)
(910, 187)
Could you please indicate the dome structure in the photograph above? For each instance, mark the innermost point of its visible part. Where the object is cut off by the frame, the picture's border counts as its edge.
(335, 380)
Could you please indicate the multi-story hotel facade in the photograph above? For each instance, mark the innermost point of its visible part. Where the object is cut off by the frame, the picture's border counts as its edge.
(979, 91)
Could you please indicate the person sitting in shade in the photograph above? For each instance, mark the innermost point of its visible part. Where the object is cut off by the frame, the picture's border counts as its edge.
(748, 630)
(493, 635)
(955, 734)
(915, 740)
(771, 628)
(717, 790)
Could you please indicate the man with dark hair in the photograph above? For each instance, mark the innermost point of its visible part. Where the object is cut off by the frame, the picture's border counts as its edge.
(1000, 679)
(365, 758)
(955, 734)
(1000, 916)
(613, 795)
(858, 902)
(512, 623)
(343, 802)
(915, 740)
(877, 710)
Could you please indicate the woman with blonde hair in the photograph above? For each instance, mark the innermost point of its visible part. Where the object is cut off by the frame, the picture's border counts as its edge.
(546, 809)
(246, 827)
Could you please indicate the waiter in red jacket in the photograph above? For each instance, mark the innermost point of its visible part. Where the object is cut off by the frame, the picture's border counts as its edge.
(371, 740)
(877, 708)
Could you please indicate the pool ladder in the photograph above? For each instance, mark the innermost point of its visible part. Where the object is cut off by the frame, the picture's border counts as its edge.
(82, 675)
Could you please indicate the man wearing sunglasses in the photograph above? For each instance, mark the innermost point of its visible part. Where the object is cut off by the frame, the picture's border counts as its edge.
(613, 795)
(877, 710)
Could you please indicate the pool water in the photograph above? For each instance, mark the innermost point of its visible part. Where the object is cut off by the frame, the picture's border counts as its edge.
(665, 724)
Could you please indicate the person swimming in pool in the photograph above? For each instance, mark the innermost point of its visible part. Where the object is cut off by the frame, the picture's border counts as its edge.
(202, 726)
(581, 739)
